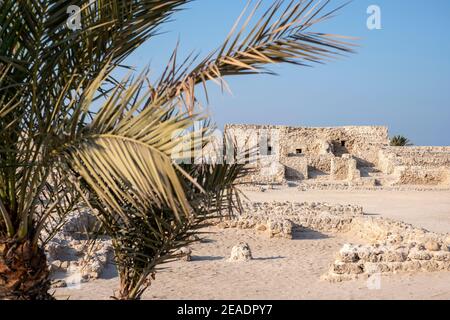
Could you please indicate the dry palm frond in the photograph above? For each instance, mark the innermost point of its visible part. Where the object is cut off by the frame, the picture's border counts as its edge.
(281, 35)
(56, 151)
(46, 72)
(143, 242)
(45, 69)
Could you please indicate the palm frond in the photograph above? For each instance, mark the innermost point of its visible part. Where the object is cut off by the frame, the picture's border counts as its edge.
(44, 68)
(125, 153)
(400, 141)
(281, 35)
(144, 242)
(56, 151)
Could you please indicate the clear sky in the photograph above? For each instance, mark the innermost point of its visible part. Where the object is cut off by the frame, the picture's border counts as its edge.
(400, 76)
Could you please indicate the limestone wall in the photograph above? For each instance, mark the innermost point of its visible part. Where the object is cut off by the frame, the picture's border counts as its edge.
(265, 167)
(416, 165)
(393, 246)
(386, 245)
(296, 167)
(298, 148)
(363, 142)
(321, 163)
(426, 157)
(265, 171)
(422, 176)
(280, 219)
(344, 168)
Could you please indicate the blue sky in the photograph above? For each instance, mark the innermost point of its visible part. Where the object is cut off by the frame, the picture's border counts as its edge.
(400, 76)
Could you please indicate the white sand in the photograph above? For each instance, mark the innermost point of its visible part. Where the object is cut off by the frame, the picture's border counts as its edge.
(291, 269)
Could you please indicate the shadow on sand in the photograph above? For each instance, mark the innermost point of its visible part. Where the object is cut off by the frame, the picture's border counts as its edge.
(308, 234)
(371, 214)
(269, 258)
(206, 258)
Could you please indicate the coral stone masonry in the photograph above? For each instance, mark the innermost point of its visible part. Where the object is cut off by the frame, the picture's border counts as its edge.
(386, 246)
(355, 154)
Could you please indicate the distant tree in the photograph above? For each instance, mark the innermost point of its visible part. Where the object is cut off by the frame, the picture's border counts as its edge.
(400, 141)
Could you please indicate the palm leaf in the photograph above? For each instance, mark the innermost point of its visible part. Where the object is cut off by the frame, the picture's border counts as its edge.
(124, 154)
(280, 35)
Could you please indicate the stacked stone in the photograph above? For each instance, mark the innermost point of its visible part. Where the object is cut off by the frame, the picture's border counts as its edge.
(280, 219)
(393, 246)
(357, 260)
(274, 227)
(391, 231)
(72, 255)
(398, 247)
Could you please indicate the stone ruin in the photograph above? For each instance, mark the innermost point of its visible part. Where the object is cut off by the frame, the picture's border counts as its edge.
(387, 246)
(73, 256)
(358, 156)
(241, 253)
(392, 247)
(429, 166)
(280, 219)
(77, 254)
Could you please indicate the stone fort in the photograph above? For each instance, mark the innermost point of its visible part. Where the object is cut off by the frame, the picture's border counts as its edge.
(359, 155)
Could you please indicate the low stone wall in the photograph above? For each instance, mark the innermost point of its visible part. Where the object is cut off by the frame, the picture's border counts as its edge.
(273, 227)
(428, 157)
(422, 176)
(279, 219)
(321, 162)
(395, 247)
(72, 257)
(361, 260)
(365, 184)
(344, 168)
(388, 245)
(296, 167)
(416, 165)
(425, 157)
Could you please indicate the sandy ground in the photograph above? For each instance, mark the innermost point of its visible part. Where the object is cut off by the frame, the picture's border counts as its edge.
(291, 269)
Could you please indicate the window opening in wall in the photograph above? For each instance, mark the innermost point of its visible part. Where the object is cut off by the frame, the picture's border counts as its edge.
(247, 157)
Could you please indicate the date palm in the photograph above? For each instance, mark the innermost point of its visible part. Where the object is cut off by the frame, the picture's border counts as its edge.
(57, 151)
(400, 141)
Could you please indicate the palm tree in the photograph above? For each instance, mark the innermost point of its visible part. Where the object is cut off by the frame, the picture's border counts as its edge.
(400, 141)
(57, 153)
(150, 240)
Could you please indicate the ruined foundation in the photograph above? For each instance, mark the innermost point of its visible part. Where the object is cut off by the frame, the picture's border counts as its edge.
(387, 246)
(280, 219)
(73, 257)
(356, 155)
